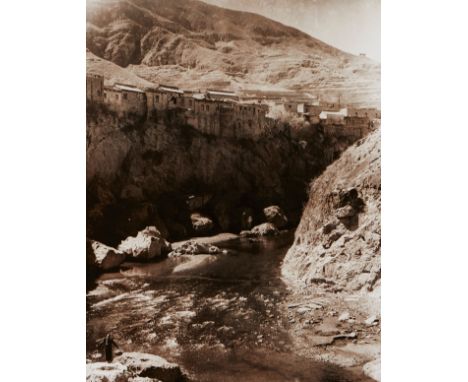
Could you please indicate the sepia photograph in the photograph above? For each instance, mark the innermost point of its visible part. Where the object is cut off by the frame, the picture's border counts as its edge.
(233, 190)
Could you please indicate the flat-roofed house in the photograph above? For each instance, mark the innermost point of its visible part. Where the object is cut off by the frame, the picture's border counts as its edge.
(221, 95)
(124, 98)
(371, 113)
(188, 100)
(309, 112)
(334, 117)
(168, 97)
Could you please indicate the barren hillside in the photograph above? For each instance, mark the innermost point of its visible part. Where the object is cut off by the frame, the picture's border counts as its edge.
(196, 45)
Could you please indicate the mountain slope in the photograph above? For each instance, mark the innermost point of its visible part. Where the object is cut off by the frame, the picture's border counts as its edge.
(193, 44)
(113, 73)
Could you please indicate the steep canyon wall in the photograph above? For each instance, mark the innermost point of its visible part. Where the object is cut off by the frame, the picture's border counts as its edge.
(140, 171)
(337, 243)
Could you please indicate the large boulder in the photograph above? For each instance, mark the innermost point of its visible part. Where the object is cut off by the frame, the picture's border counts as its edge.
(265, 229)
(193, 247)
(102, 257)
(147, 244)
(151, 366)
(106, 372)
(202, 225)
(276, 216)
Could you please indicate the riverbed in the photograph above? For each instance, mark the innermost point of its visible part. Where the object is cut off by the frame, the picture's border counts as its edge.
(218, 316)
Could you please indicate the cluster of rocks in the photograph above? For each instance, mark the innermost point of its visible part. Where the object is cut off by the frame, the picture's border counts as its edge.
(146, 245)
(275, 220)
(150, 243)
(339, 331)
(134, 367)
(193, 247)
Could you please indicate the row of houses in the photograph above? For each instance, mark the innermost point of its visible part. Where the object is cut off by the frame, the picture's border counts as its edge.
(317, 111)
(336, 120)
(213, 112)
(223, 113)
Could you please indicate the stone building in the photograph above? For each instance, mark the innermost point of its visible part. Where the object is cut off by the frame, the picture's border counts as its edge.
(226, 118)
(216, 113)
(249, 119)
(310, 112)
(291, 107)
(125, 99)
(371, 113)
(94, 87)
(331, 106)
(204, 115)
(188, 99)
(165, 97)
(333, 117)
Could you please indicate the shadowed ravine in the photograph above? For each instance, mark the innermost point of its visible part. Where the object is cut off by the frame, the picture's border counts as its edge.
(217, 316)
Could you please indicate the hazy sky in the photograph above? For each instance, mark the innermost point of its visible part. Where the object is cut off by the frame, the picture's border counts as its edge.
(350, 25)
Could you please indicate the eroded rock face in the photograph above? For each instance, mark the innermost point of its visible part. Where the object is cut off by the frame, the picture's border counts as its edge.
(102, 257)
(148, 244)
(265, 229)
(276, 216)
(132, 193)
(151, 366)
(337, 243)
(154, 164)
(202, 225)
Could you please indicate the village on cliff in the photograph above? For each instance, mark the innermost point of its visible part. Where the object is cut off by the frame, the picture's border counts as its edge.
(224, 113)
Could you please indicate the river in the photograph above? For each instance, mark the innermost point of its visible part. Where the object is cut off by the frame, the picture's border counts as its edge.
(218, 316)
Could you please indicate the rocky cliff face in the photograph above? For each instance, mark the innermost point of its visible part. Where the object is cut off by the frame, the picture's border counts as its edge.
(337, 243)
(140, 172)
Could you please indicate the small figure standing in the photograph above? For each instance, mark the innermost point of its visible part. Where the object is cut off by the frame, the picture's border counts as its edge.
(107, 343)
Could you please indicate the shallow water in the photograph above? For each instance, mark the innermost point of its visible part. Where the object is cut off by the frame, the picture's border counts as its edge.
(217, 316)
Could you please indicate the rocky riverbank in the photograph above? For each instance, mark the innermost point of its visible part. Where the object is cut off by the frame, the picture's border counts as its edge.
(333, 267)
(221, 317)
